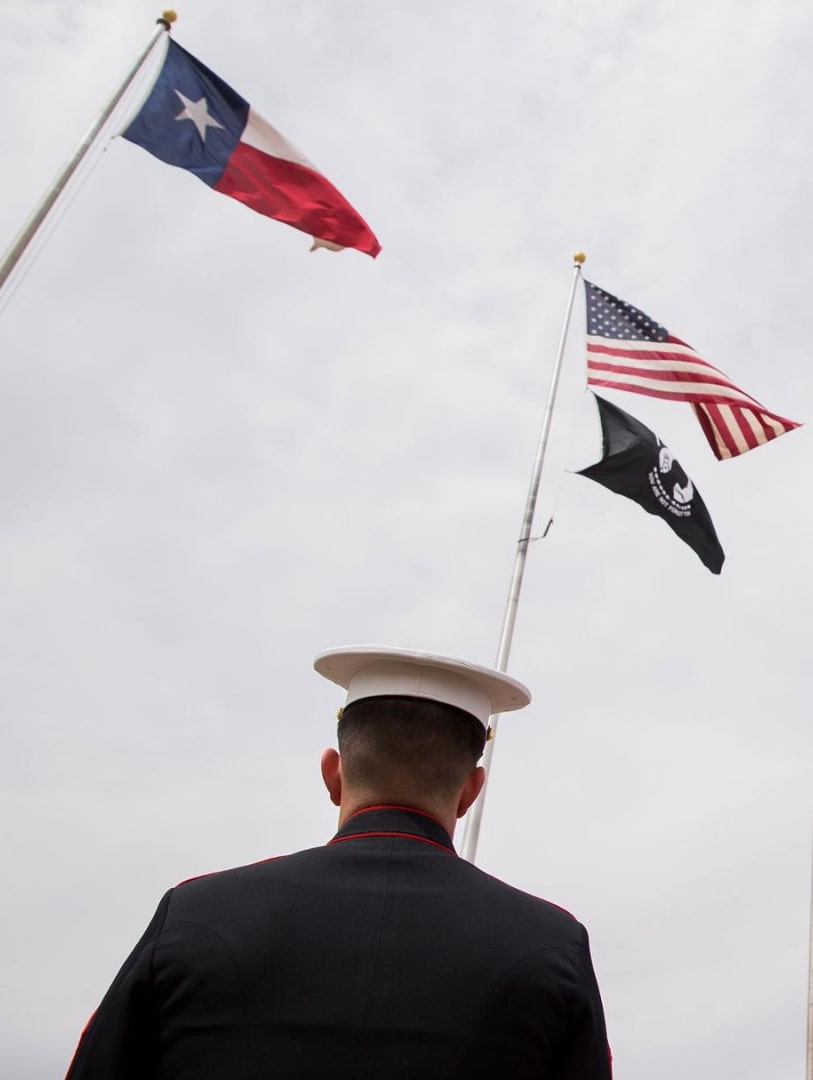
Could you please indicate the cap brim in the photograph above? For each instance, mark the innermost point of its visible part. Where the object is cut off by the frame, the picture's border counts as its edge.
(377, 670)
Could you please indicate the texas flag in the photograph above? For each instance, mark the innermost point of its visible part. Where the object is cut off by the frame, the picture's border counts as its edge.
(194, 120)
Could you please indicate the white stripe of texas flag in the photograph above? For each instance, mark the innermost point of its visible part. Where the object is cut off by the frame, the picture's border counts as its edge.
(264, 136)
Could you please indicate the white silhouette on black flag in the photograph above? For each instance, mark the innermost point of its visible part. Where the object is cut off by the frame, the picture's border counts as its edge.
(635, 463)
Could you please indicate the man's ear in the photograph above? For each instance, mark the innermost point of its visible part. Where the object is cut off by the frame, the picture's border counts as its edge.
(471, 789)
(332, 775)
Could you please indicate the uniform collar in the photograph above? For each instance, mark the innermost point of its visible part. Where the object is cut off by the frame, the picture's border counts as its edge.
(395, 821)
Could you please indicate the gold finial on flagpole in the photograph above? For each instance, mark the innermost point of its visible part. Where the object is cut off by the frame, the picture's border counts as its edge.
(168, 17)
(579, 257)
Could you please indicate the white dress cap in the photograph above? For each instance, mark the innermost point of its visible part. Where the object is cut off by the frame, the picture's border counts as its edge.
(367, 671)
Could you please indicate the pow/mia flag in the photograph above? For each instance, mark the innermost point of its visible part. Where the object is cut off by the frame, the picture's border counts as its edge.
(636, 463)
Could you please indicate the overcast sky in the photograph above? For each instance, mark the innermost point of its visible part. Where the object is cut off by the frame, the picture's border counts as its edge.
(220, 454)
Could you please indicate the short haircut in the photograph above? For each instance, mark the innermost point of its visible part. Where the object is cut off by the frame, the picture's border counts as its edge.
(393, 743)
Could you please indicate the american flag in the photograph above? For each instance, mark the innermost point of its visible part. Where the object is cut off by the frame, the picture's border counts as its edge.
(626, 350)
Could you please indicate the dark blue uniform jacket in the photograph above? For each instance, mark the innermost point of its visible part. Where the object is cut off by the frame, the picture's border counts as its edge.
(382, 956)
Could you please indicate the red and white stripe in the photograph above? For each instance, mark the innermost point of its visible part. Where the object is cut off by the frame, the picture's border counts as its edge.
(732, 421)
(269, 174)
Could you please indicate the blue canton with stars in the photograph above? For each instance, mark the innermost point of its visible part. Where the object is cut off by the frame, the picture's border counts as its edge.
(191, 118)
(609, 317)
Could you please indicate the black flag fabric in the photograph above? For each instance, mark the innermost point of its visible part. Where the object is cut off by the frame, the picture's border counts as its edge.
(636, 463)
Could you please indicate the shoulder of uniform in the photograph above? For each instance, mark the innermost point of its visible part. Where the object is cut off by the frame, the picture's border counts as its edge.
(534, 907)
(232, 872)
(241, 874)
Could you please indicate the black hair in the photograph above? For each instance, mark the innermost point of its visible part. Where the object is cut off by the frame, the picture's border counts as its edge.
(393, 743)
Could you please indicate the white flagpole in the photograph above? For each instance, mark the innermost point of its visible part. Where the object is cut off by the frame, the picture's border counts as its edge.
(471, 832)
(37, 219)
(809, 1068)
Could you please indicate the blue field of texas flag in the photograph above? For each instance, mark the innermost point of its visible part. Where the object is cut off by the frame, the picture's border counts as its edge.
(194, 120)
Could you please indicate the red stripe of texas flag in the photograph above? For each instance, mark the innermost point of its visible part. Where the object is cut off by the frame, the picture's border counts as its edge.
(269, 174)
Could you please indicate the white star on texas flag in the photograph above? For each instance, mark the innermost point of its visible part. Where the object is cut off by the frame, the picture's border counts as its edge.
(198, 113)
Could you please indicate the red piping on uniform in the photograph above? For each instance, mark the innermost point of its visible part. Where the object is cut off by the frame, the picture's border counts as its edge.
(79, 1044)
(402, 835)
(212, 873)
